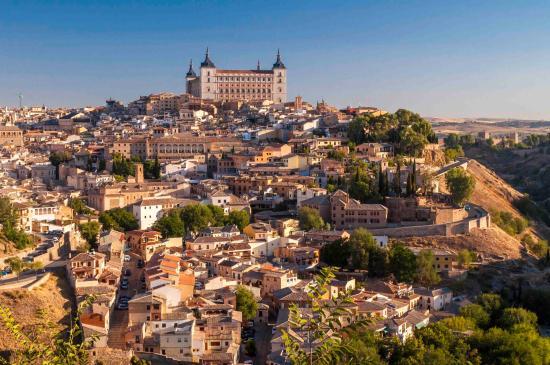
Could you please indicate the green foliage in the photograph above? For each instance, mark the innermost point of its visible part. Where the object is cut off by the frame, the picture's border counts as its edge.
(402, 263)
(536, 300)
(426, 273)
(137, 361)
(79, 206)
(452, 140)
(532, 210)
(508, 223)
(336, 155)
(63, 349)
(460, 184)
(151, 169)
(407, 130)
(118, 219)
(240, 218)
(465, 258)
(538, 247)
(8, 220)
(89, 232)
(451, 154)
(246, 303)
(325, 340)
(170, 224)
(477, 314)
(517, 316)
(310, 219)
(59, 157)
(122, 166)
(250, 347)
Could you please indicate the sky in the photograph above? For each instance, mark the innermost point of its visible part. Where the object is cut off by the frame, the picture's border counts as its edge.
(438, 58)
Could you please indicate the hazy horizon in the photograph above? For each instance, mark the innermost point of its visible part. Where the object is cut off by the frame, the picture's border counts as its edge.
(448, 60)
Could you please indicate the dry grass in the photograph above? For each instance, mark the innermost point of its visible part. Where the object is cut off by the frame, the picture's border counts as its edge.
(49, 303)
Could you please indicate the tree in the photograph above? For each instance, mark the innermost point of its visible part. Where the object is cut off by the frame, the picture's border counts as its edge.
(465, 258)
(9, 221)
(310, 219)
(89, 232)
(477, 314)
(460, 184)
(246, 303)
(426, 273)
(396, 183)
(170, 224)
(325, 332)
(240, 218)
(452, 140)
(18, 266)
(196, 217)
(59, 157)
(79, 206)
(402, 263)
(118, 219)
(357, 130)
(65, 348)
(517, 316)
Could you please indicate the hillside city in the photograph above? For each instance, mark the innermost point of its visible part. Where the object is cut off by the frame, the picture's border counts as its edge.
(231, 224)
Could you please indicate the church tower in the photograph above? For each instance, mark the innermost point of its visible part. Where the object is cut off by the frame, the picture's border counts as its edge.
(279, 91)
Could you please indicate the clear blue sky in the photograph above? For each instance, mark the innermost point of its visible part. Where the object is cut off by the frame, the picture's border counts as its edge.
(440, 58)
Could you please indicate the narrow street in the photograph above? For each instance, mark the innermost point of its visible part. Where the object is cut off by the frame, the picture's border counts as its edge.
(263, 342)
(119, 318)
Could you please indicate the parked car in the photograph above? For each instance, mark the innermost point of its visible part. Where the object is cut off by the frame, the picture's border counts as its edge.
(124, 284)
(139, 264)
(127, 272)
(127, 258)
(123, 306)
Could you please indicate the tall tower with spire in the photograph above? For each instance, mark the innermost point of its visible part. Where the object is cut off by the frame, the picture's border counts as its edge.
(208, 78)
(191, 80)
(279, 80)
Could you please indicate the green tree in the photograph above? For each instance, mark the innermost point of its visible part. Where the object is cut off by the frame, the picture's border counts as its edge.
(59, 157)
(357, 130)
(460, 184)
(325, 340)
(426, 273)
(118, 219)
(402, 263)
(477, 314)
(196, 217)
(240, 218)
(246, 303)
(170, 224)
(310, 219)
(8, 220)
(89, 232)
(465, 258)
(79, 206)
(517, 316)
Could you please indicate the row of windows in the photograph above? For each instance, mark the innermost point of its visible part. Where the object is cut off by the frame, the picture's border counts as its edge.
(233, 91)
(242, 78)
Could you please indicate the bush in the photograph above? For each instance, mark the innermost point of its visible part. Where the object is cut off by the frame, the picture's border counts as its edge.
(508, 223)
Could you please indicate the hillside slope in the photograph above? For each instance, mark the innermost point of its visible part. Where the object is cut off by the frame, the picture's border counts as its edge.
(494, 194)
(48, 303)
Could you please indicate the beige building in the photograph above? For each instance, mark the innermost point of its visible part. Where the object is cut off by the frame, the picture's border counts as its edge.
(232, 85)
(11, 136)
(348, 213)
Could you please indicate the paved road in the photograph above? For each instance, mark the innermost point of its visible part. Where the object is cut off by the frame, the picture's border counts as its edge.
(119, 319)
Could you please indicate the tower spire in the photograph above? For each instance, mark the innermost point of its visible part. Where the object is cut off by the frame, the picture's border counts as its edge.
(278, 62)
(207, 62)
(191, 72)
(258, 66)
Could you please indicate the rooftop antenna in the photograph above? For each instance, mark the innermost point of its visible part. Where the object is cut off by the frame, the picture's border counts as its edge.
(20, 100)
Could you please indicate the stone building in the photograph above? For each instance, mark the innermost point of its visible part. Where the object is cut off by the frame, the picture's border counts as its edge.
(11, 136)
(233, 85)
